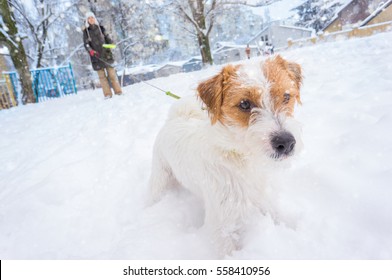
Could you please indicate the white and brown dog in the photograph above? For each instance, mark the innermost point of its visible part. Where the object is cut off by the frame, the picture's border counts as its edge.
(223, 149)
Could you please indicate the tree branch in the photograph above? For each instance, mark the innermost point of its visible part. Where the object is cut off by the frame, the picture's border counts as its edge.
(261, 3)
(189, 18)
(30, 25)
(212, 19)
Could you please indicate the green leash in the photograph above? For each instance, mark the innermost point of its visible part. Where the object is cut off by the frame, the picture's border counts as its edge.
(172, 95)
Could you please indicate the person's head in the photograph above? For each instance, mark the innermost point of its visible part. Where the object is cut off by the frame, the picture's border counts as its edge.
(90, 19)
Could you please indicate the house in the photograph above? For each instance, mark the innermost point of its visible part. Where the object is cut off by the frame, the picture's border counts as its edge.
(229, 52)
(353, 14)
(226, 52)
(276, 33)
(383, 13)
(169, 69)
(137, 74)
(192, 64)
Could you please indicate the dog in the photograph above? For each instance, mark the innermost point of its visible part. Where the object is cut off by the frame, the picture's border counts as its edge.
(223, 144)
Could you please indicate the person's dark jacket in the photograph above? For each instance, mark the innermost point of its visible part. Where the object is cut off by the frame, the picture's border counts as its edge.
(94, 37)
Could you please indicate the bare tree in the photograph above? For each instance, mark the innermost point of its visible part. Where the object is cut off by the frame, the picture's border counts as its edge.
(10, 37)
(41, 24)
(201, 14)
(138, 30)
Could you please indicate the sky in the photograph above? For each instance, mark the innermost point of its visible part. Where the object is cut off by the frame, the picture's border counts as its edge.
(74, 171)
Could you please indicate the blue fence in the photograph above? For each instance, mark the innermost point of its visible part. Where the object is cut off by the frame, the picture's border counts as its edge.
(47, 82)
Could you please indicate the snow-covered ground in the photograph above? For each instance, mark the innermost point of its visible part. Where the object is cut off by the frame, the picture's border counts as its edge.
(74, 171)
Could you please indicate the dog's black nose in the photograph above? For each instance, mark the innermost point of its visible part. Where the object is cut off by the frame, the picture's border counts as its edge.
(283, 143)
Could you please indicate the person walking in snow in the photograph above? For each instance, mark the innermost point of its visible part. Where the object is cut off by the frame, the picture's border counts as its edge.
(92, 84)
(247, 50)
(94, 37)
(272, 49)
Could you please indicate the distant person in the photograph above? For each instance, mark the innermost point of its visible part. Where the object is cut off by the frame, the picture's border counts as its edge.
(272, 49)
(94, 37)
(267, 49)
(247, 50)
(92, 84)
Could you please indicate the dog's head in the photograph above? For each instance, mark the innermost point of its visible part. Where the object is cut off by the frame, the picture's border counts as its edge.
(257, 99)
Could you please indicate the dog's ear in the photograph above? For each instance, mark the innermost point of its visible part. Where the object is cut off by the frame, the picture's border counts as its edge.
(294, 71)
(293, 68)
(212, 91)
(296, 74)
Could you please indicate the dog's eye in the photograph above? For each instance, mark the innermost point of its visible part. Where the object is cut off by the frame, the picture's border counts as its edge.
(246, 105)
(286, 97)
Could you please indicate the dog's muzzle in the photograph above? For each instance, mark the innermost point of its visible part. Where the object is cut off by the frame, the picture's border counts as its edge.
(282, 143)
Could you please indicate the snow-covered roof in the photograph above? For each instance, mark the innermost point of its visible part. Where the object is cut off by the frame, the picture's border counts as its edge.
(232, 47)
(279, 23)
(223, 43)
(365, 21)
(194, 59)
(376, 12)
(297, 27)
(177, 64)
(258, 34)
(141, 69)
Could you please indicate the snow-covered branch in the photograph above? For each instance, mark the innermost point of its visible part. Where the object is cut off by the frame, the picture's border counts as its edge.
(212, 18)
(6, 38)
(72, 54)
(261, 3)
(189, 18)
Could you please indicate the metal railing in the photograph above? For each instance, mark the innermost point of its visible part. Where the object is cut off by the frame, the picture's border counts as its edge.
(51, 82)
(350, 33)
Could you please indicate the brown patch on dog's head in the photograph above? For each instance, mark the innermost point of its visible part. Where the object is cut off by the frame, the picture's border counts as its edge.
(285, 80)
(229, 99)
(231, 95)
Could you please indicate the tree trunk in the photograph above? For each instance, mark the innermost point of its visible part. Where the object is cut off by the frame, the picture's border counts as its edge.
(42, 41)
(205, 49)
(197, 9)
(20, 62)
(17, 52)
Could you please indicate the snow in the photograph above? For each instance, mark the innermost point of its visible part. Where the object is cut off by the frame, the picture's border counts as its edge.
(279, 10)
(4, 51)
(4, 31)
(139, 69)
(74, 171)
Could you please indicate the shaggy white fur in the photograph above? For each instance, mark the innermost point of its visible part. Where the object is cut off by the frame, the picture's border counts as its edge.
(225, 164)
